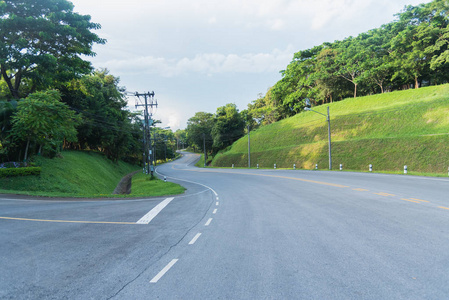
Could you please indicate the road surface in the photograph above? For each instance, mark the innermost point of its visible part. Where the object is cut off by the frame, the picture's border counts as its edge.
(235, 234)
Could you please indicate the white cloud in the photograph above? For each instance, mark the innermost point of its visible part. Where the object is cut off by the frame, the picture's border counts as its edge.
(208, 63)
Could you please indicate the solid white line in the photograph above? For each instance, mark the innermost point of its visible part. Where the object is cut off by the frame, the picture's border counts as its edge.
(208, 222)
(194, 239)
(208, 187)
(215, 211)
(163, 271)
(154, 212)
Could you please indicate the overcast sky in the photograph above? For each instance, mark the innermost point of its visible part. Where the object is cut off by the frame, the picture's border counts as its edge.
(198, 55)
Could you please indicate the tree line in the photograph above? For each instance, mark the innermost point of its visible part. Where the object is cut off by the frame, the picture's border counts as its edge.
(51, 98)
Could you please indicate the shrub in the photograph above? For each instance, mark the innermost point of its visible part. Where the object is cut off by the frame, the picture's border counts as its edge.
(12, 172)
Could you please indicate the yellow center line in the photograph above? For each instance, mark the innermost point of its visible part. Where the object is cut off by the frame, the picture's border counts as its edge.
(419, 200)
(385, 194)
(443, 207)
(410, 200)
(414, 200)
(65, 221)
(274, 176)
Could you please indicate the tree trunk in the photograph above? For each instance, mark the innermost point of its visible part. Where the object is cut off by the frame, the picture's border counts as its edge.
(26, 150)
(416, 82)
(355, 90)
(8, 81)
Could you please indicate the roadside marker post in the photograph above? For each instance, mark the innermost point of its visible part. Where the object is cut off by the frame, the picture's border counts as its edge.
(405, 170)
(258, 166)
(165, 178)
(316, 167)
(370, 167)
(341, 167)
(275, 166)
(294, 166)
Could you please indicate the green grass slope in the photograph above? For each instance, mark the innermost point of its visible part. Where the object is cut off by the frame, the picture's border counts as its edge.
(387, 130)
(76, 173)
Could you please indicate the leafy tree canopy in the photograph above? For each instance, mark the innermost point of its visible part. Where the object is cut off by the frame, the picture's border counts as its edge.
(42, 118)
(42, 42)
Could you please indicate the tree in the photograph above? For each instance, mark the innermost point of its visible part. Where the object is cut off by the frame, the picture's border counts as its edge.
(199, 128)
(42, 118)
(41, 42)
(228, 126)
(106, 126)
(181, 137)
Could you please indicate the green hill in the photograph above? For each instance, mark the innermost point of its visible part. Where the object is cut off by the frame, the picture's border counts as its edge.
(76, 173)
(84, 174)
(386, 130)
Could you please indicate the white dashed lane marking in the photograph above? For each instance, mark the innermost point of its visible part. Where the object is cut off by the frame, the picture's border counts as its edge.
(163, 271)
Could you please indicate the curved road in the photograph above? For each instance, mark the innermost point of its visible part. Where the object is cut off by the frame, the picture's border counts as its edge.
(235, 234)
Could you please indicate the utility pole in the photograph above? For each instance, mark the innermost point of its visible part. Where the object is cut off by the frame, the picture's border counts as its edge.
(328, 119)
(249, 149)
(154, 148)
(329, 137)
(204, 145)
(148, 113)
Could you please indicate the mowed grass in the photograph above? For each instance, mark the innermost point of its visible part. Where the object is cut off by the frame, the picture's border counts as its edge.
(388, 130)
(143, 186)
(75, 174)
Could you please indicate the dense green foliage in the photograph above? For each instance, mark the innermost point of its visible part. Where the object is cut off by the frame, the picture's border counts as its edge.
(412, 51)
(13, 172)
(387, 130)
(107, 126)
(40, 49)
(41, 43)
(42, 118)
(218, 130)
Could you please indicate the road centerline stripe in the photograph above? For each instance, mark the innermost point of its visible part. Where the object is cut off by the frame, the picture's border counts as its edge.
(163, 271)
(385, 194)
(146, 219)
(410, 200)
(215, 211)
(208, 222)
(195, 238)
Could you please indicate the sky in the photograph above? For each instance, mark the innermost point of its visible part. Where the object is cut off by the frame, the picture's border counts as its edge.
(198, 55)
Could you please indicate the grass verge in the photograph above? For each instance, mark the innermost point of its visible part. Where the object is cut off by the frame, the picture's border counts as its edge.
(143, 186)
(77, 174)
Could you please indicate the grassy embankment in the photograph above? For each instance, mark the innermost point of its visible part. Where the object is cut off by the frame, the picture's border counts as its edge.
(387, 130)
(84, 174)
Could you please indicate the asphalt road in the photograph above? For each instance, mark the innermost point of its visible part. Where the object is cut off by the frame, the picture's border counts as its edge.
(235, 234)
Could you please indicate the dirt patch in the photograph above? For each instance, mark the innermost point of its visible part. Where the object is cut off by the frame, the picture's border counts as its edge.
(124, 186)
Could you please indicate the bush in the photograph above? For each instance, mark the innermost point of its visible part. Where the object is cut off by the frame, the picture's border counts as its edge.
(12, 172)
